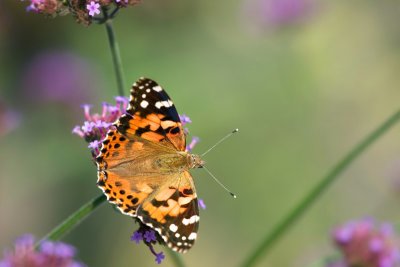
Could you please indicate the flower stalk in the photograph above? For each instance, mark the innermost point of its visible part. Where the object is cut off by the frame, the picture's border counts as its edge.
(295, 214)
(74, 219)
(115, 55)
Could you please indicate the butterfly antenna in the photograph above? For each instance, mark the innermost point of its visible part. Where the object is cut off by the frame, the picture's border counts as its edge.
(220, 141)
(221, 184)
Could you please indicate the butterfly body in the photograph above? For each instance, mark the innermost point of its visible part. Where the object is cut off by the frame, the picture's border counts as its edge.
(143, 167)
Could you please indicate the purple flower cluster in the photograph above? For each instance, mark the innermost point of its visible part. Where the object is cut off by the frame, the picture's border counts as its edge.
(49, 254)
(149, 237)
(95, 128)
(364, 243)
(83, 11)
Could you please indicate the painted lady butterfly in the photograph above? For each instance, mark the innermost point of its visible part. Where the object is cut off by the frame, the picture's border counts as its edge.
(143, 167)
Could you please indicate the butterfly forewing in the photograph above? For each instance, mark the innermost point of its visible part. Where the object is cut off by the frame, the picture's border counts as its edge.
(135, 170)
(153, 114)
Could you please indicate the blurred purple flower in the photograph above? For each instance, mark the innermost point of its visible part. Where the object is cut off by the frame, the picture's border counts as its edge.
(59, 77)
(9, 119)
(278, 13)
(364, 243)
(49, 254)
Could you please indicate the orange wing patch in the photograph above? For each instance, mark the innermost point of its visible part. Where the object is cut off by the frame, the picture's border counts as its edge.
(119, 192)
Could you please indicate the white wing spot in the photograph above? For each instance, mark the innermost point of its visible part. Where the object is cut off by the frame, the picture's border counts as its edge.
(157, 88)
(173, 228)
(148, 90)
(177, 235)
(144, 96)
(192, 236)
(168, 103)
(141, 87)
(179, 244)
(191, 220)
(144, 104)
(183, 238)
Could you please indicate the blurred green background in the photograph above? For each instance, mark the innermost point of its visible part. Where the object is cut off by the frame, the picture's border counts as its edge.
(303, 89)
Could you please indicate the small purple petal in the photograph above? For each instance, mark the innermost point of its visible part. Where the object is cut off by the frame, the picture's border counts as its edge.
(193, 143)
(137, 237)
(86, 111)
(88, 127)
(159, 257)
(202, 204)
(185, 119)
(375, 245)
(386, 262)
(113, 109)
(94, 145)
(77, 130)
(150, 236)
(121, 99)
(343, 235)
(93, 8)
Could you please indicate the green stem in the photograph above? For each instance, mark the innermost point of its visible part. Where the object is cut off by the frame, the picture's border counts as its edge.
(317, 191)
(176, 258)
(115, 56)
(74, 219)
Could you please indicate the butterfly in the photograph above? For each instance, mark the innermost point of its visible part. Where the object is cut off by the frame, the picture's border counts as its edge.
(143, 167)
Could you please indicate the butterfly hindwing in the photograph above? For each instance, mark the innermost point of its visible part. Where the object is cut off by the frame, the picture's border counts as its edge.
(173, 212)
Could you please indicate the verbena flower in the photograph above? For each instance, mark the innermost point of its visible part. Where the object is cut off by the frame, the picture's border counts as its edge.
(84, 11)
(96, 126)
(365, 243)
(149, 238)
(49, 254)
(93, 8)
